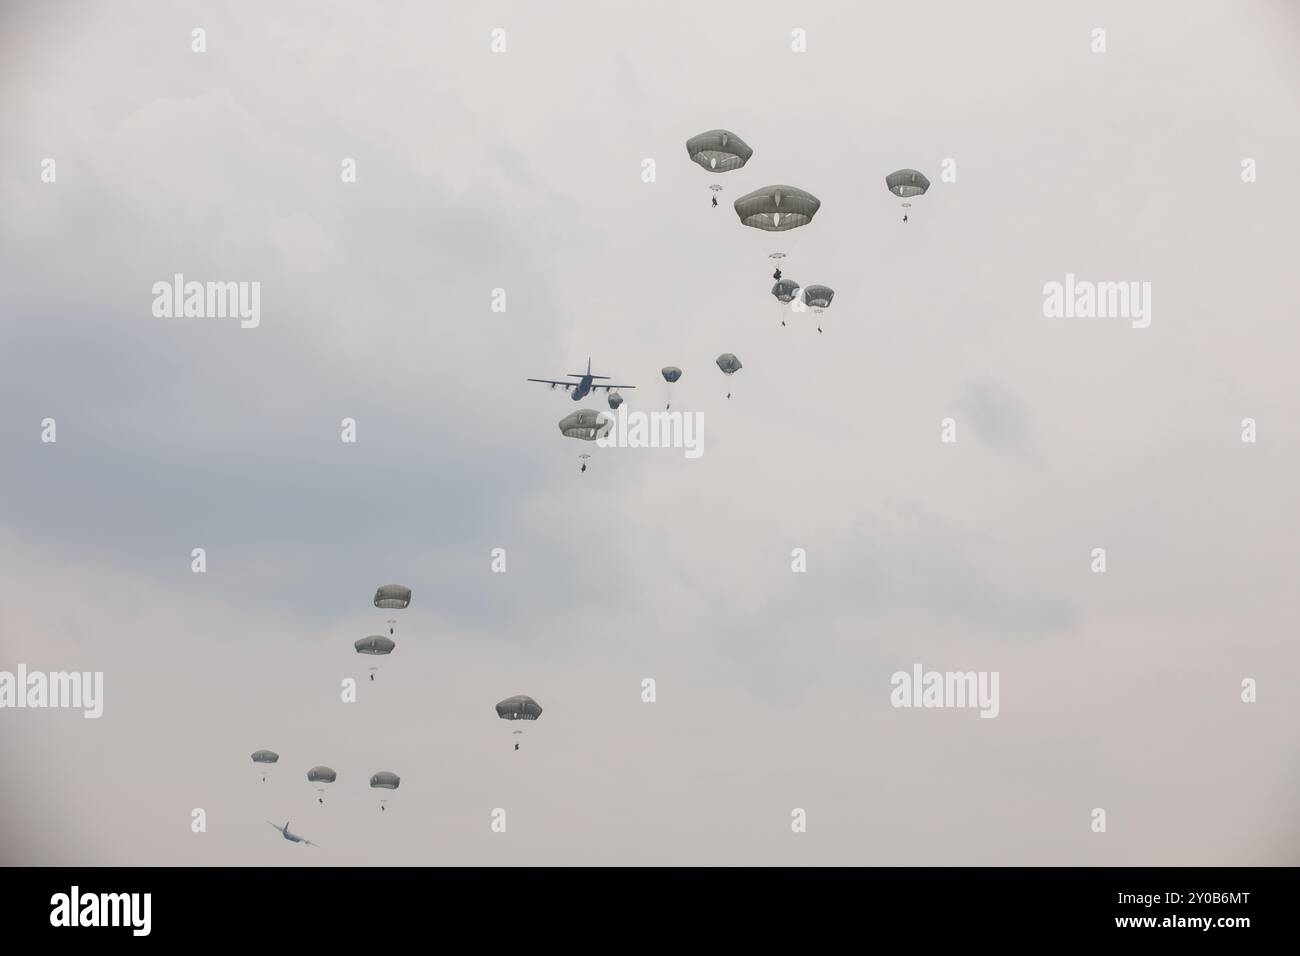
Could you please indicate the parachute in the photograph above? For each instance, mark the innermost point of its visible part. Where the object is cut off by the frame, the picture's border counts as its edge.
(671, 373)
(519, 707)
(585, 424)
(265, 759)
(776, 258)
(777, 208)
(376, 645)
(785, 291)
(394, 596)
(818, 298)
(906, 183)
(718, 150)
(729, 364)
(615, 399)
(384, 780)
(318, 777)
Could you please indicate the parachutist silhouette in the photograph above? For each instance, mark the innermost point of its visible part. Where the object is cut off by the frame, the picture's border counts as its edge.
(715, 202)
(777, 275)
(516, 745)
(321, 801)
(372, 676)
(904, 217)
(584, 466)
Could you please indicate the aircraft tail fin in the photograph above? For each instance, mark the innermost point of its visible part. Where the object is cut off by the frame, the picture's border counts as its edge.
(586, 374)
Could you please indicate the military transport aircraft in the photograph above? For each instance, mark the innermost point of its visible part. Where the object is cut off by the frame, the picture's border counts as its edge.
(291, 837)
(584, 385)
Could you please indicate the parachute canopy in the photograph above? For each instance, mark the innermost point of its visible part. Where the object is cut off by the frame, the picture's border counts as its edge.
(671, 373)
(385, 780)
(321, 775)
(785, 290)
(818, 296)
(375, 644)
(393, 596)
(265, 756)
(519, 707)
(586, 424)
(729, 363)
(907, 182)
(615, 399)
(777, 208)
(718, 150)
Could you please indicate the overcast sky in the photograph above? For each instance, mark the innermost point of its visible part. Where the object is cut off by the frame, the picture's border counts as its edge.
(522, 171)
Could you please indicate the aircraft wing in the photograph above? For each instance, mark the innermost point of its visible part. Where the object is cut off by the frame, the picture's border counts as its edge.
(608, 387)
(551, 381)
